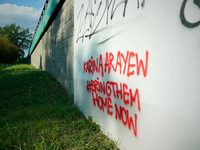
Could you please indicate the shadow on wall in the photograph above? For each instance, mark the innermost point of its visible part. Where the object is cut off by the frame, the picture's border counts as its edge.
(57, 49)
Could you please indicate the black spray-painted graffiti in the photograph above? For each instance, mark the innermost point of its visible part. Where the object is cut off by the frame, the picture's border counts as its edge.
(182, 15)
(106, 9)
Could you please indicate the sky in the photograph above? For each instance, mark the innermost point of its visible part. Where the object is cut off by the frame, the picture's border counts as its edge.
(25, 13)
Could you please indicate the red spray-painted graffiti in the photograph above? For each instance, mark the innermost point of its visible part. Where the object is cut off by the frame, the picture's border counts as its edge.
(112, 88)
(122, 63)
(119, 91)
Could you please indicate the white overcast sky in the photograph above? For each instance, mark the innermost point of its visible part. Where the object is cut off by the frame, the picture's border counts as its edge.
(25, 13)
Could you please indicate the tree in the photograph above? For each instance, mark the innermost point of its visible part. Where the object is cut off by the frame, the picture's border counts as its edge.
(9, 53)
(17, 35)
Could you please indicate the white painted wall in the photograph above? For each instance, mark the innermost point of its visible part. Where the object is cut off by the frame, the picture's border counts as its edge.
(169, 116)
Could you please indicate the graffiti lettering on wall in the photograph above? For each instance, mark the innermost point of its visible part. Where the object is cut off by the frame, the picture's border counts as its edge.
(119, 91)
(182, 15)
(112, 88)
(122, 63)
(94, 14)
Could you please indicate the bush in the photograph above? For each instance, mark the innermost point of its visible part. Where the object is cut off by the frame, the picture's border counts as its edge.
(1, 66)
(21, 61)
(9, 53)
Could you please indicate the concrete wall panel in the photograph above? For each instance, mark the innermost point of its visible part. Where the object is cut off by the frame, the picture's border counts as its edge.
(137, 70)
(54, 53)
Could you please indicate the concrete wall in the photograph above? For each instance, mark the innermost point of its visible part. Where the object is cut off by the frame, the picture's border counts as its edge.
(137, 70)
(55, 51)
(131, 65)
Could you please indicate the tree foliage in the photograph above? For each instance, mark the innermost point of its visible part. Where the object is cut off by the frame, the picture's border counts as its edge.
(9, 53)
(17, 35)
(13, 41)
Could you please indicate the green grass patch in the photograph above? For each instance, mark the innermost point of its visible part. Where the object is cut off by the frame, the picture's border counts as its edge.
(36, 113)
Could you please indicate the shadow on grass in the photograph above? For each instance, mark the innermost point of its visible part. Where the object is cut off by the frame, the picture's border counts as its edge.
(36, 113)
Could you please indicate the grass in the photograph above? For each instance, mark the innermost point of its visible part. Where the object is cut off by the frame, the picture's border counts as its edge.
(36, 113)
